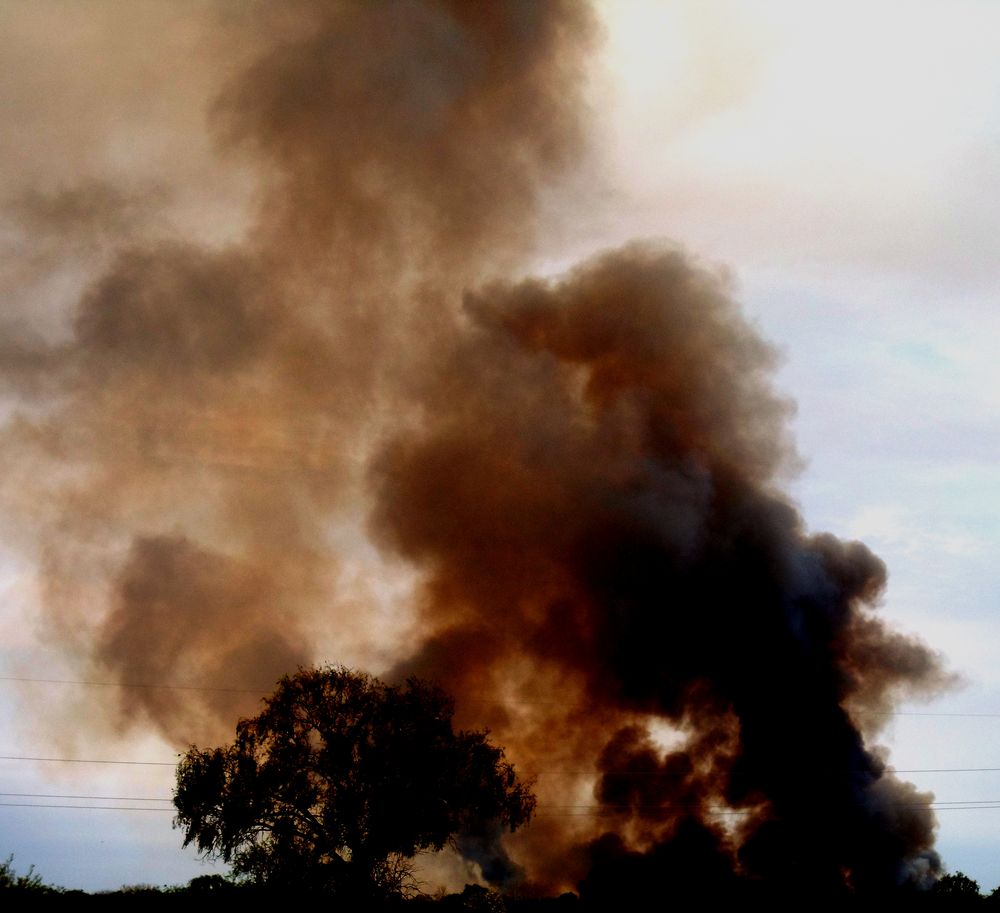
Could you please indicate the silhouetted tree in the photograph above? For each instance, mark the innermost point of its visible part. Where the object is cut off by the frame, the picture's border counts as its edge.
(956, 891)
(29, 882)
(204, 884)
(340, 781)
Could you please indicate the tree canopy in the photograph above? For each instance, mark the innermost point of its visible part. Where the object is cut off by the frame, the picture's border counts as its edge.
(340, 781)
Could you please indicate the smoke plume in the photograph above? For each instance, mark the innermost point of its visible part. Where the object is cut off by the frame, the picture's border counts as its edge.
(581, 476)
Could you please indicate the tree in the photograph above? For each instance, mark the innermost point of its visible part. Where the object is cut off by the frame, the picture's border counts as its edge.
(340, 781)
(957, 890)
(30, 882)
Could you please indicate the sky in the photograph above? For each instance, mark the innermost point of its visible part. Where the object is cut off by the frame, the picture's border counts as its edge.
(837, 163)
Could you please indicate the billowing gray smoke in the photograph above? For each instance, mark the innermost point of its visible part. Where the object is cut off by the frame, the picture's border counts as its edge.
(582, 473)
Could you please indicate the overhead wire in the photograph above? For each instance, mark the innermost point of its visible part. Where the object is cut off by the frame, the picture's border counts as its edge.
(88, 761)
(544, 810)
(551, 771)
(266, 689)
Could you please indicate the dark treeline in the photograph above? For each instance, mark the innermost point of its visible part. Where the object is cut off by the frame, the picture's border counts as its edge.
(951, 892)
(331, 793)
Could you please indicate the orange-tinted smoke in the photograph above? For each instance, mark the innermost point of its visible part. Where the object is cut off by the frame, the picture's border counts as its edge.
(593, 492)
(583, 474)
(189, 432)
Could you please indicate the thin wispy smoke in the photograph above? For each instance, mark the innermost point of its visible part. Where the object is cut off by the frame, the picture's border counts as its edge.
(583, 475)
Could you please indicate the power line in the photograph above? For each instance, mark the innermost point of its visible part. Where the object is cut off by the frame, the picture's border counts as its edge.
(266, 689)
(697, 806)
(543, 814)
(940, 770)
(582, 811)
(153, 685)
(928, 713)
(581, 771)
(88, 761)
(593, 805)
(670, 774)
(587, 811)
(106, 808)
(936, 803)
(94, 798)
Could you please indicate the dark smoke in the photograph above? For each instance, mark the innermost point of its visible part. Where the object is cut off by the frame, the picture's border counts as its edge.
(584, 475)
(483, 845)
(593, 494)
